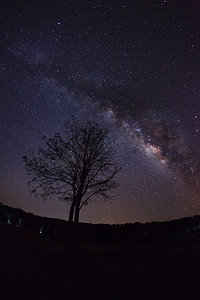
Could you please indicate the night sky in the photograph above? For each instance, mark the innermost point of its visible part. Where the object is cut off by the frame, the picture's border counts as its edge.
(135, 64)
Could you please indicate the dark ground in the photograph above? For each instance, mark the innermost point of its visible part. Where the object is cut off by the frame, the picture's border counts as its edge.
(36, 267)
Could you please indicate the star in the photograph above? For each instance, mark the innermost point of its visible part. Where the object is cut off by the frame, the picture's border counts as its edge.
(133, 66)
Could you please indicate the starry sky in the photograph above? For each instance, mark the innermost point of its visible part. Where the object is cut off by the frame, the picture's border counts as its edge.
(133, 64)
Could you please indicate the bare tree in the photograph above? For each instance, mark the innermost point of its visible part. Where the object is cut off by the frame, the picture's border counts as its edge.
(77, 167)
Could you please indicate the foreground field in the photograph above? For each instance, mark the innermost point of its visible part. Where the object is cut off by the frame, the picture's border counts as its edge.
(36, 267)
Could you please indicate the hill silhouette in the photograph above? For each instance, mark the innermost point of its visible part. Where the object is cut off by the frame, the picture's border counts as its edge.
(158, 260)
(130, 232)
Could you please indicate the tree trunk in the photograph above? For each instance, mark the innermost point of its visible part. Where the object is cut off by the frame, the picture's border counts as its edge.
(71, 212)
(77, 210)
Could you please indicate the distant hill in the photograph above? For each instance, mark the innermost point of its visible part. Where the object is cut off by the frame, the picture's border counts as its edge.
(129, 233)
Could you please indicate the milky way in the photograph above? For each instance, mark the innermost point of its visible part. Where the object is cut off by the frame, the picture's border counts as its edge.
(131, 64)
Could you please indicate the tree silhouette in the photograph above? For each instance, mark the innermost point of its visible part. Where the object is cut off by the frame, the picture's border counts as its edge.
(77, 167)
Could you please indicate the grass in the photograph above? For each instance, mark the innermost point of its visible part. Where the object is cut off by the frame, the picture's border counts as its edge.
(33, 267)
